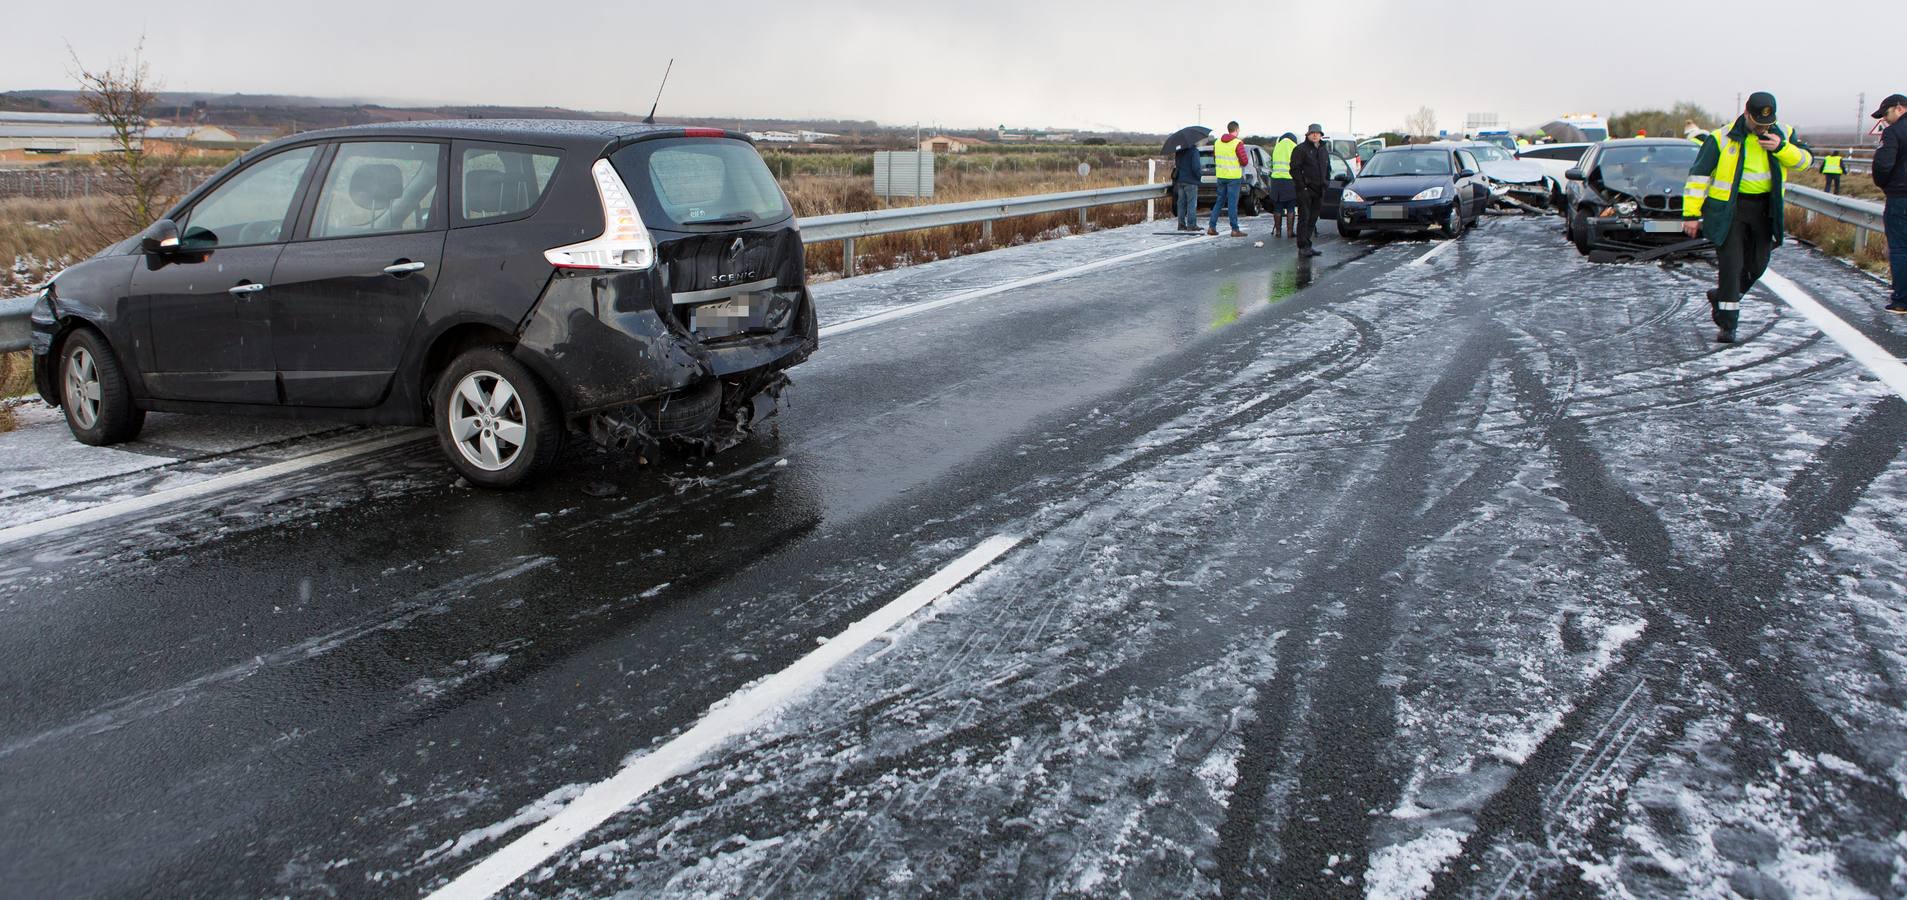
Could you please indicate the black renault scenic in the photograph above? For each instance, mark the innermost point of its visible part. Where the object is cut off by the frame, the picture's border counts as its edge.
(509, 283)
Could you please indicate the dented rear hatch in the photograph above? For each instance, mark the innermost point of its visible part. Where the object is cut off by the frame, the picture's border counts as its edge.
(726, 241)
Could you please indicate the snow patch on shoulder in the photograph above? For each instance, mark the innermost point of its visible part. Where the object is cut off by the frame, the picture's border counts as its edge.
(1407, 870)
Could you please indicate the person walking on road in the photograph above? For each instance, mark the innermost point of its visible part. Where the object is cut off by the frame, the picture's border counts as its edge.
(1284, 193)
(1185, 179)
(1733, 197)
(1890, 174)
(1311, 170)
(1831, 170)
(1228, 171)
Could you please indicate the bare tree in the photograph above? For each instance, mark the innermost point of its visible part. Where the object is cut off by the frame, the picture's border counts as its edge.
(119, 95)
(1422, 123)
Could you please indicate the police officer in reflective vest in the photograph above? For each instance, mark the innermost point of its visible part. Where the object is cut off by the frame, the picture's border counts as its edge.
(1284, 193)
(1733, 197)
(1831, 170)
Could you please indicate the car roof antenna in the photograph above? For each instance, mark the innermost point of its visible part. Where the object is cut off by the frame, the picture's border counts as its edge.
(650, 119)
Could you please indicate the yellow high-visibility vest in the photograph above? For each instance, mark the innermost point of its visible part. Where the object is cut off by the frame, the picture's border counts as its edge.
(1832, 165)
(1281, 158)
(1225, 160)
(1747, 157)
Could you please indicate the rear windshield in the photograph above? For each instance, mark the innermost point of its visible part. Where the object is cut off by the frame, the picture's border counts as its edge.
(686, 182)
(1646, 170)
(1409, 162)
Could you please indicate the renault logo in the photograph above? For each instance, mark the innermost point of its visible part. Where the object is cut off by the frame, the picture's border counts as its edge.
(735, 249)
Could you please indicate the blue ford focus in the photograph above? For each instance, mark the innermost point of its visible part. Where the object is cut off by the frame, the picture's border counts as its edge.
(1415, 188)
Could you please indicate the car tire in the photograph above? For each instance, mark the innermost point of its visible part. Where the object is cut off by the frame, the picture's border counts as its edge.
(94, 393)
(1452, 225)
(1248, 204)
(1579, 234)
(1348, 233)
(495, 422)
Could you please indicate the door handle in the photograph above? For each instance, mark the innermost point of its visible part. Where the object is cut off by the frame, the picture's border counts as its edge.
(404, 268)
(249, 287)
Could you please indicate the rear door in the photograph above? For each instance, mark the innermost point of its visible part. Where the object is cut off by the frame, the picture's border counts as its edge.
(206, 307)
(347, 294)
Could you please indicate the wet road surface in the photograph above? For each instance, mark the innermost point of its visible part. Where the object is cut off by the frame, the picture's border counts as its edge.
(1470, 574)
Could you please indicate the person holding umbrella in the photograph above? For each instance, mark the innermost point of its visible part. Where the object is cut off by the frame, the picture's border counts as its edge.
(1183, 145)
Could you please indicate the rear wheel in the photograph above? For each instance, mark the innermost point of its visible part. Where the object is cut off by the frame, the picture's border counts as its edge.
(1248, 204)
(495, 422)
(94, 392)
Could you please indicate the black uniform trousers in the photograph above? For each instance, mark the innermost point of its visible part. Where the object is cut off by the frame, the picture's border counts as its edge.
(1742, 257)
(1309, 199)
(1833, 183)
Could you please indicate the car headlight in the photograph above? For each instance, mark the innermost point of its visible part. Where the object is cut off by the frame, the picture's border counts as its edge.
(1430, 193)
(1351, 196)
(1626, 208)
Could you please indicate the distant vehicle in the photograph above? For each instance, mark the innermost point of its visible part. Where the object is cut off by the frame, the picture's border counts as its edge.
(1415, 188)
(1578, 127)
(1627, 194)
(1519, 180)
(1502, 139)
(1555, 159)
(1356, 149)
(505, 282)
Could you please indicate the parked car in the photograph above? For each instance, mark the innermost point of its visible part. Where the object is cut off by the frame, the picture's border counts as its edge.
(1253, 195)
(1627, 194)
(1555, 159)
(1513, 178)
(508, 283)
(1357, 150)
(1415, 188)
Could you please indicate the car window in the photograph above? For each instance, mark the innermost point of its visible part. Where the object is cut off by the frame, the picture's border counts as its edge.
(1466, 161)
(1489, 153)
(1340, 168)
(251, 206)
(696, 181)
(500, 182)
(377, 187)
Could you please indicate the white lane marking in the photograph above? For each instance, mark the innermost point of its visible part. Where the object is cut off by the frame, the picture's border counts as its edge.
(201, 488)
(1424, 259)
(735, 715)
(928, 305)
(1883, 364)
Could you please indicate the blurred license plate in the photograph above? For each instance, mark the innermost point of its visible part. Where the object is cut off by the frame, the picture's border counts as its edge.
(725, 317)
(1381, 211)
(1661, 226)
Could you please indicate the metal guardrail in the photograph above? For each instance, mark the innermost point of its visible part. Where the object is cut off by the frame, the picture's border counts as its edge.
(1864, 215)
(846, 227)
(843, 227)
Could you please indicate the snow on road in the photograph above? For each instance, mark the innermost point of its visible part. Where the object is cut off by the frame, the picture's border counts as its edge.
(1478, 578)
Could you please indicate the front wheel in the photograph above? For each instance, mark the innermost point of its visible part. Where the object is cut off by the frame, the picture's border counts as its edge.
(94, 393)
(1579, 234)
(495, 422)
(1348, 233)
(1453, 221)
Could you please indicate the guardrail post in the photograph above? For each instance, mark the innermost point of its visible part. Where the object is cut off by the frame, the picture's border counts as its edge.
(1152, 173)
(1082, 220)
(1860, 239)
(986, 232)
(847, 258)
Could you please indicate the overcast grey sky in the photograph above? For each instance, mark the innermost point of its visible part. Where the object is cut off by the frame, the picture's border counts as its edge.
(1111, 64)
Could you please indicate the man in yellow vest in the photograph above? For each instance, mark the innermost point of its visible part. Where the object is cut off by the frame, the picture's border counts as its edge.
(1733, 196)
(1831, 170)
(1284, 193)
(1228, 174)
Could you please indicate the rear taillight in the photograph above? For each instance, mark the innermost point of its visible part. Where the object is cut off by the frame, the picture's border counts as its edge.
(624, 244)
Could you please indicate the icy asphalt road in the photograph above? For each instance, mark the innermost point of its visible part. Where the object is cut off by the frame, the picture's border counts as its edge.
(1477, 574)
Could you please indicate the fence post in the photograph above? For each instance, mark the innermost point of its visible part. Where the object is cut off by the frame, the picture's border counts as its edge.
(1860, 239)
(1152, 173)
(847, 257)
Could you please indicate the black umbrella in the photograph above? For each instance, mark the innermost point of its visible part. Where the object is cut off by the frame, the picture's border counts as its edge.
(1188, 136)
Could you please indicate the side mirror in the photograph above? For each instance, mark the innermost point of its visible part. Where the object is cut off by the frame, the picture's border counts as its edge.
(160, 237)
(1574, 174)
(1467, 173)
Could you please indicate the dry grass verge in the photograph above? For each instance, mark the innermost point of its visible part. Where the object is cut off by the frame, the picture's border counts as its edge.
(16, 380)
(38, 238)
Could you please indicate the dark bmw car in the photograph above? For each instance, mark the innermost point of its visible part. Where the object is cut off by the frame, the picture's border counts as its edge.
(507, 282)
(1415, 188)
(1626, 195)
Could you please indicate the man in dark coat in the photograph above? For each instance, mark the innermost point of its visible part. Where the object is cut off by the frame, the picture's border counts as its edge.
(1185, 179)
(1890, 175)
(1311, 171)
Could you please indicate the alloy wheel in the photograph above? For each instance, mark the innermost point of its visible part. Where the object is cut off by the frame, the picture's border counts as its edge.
(487, 421)
(82, 393)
